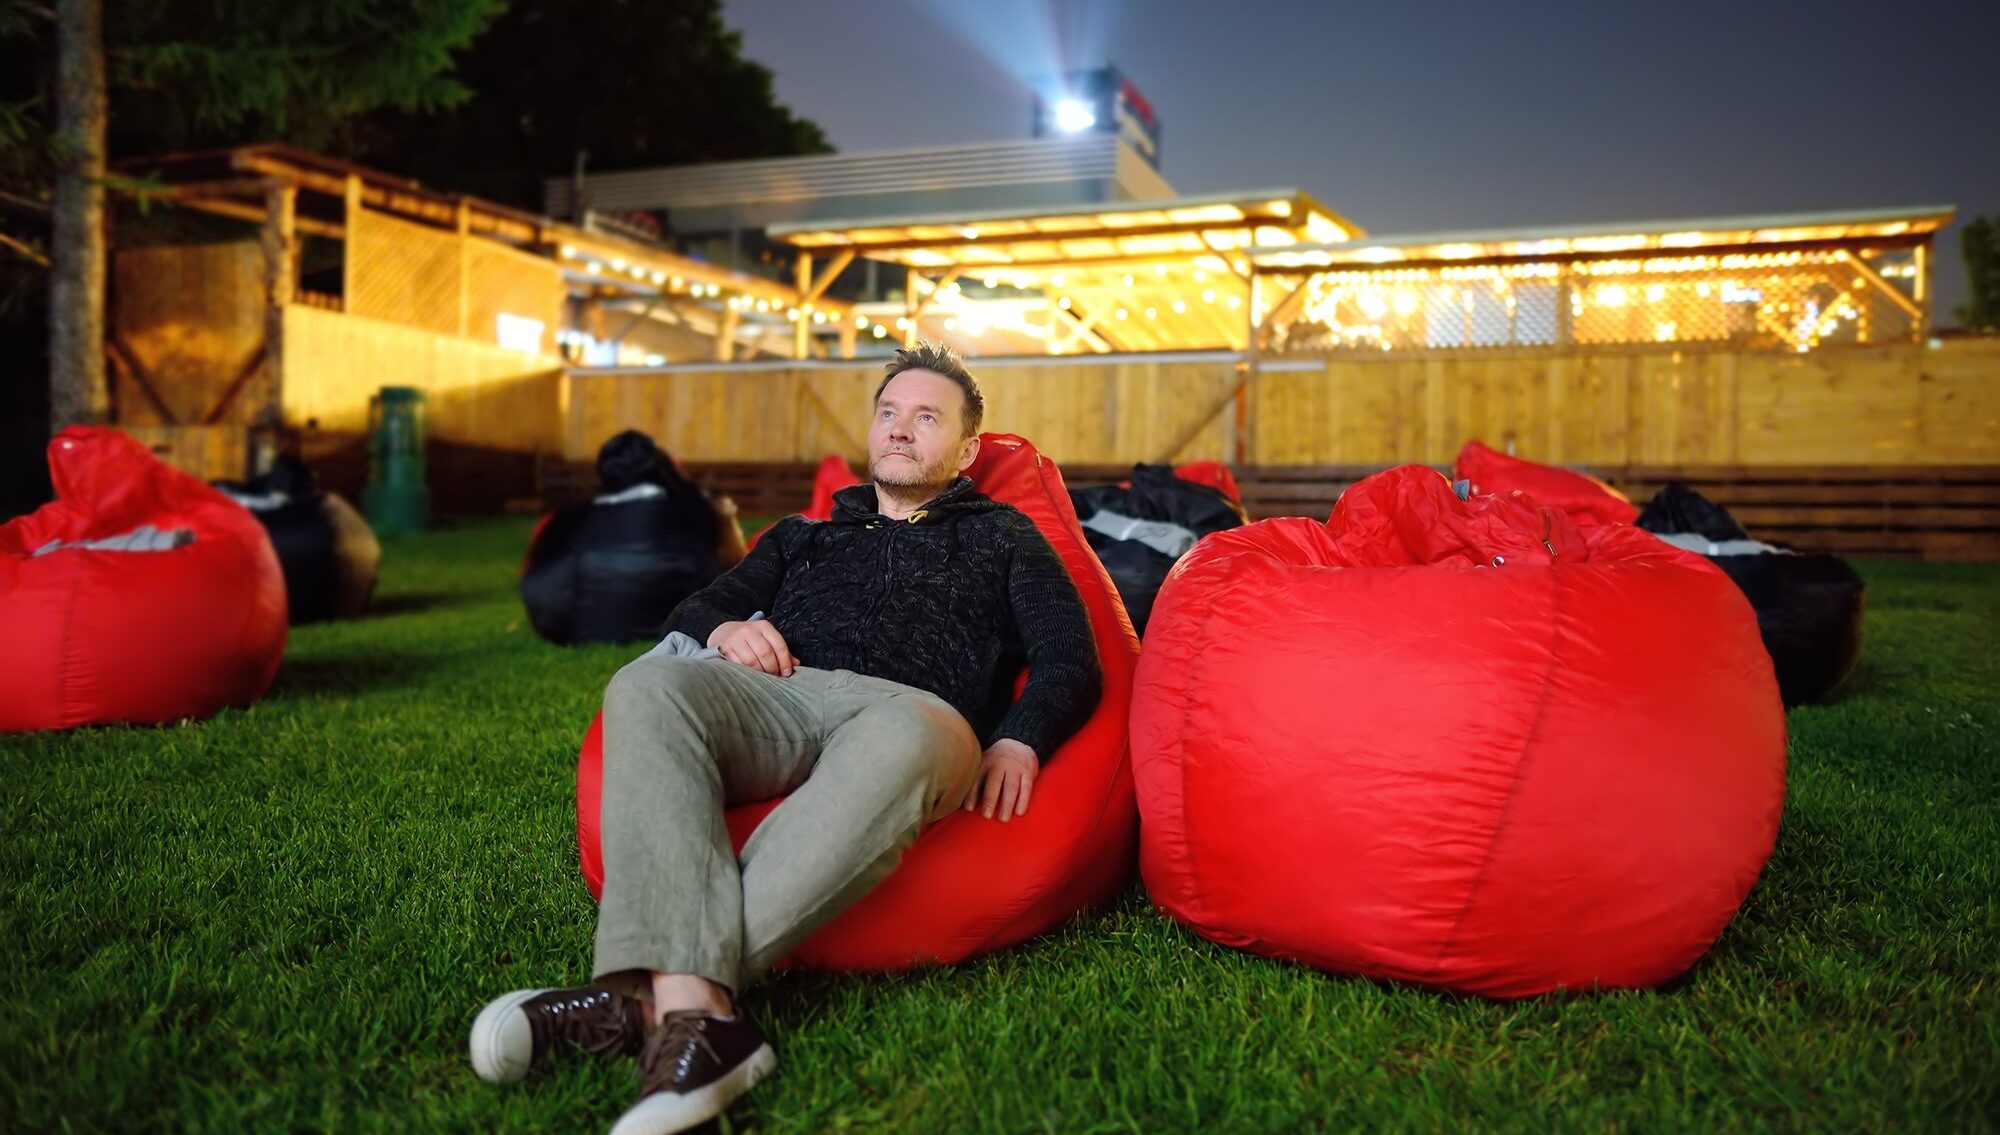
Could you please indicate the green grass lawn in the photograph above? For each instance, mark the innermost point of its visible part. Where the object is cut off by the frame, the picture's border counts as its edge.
(285, 919)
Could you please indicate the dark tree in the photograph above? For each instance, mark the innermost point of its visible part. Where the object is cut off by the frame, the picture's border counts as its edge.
(1980, 243)
(633, 82)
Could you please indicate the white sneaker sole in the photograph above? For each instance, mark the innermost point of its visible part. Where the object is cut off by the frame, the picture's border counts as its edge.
(664, 1113)
(502, 1045)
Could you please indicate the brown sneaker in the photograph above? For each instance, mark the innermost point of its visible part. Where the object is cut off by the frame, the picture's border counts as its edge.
(692, 1068)
(518, 1030)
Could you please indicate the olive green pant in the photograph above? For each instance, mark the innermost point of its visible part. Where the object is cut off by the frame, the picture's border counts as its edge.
(863, 763)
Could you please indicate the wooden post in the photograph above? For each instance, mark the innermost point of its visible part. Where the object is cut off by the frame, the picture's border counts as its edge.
(847, 333)
(909, 307)
(802, 330)
(1920, 288)
(281, 274)
(725, 335)
(464, 218)
(350, 217)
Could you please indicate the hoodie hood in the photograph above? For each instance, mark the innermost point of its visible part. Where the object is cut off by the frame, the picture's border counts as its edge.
(857, 504)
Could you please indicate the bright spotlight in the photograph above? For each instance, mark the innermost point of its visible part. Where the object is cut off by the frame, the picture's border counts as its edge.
(1073, 116)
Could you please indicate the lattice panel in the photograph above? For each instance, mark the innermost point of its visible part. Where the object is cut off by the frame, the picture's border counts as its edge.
(1781, 301)
(403, 273)
(501, 281)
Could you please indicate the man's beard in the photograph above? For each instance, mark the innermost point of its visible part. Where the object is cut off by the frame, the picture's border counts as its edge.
(911, 474)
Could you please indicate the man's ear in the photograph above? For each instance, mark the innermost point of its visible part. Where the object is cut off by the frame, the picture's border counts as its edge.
(967, 452)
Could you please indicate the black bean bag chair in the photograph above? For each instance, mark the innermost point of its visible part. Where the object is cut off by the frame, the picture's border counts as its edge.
(1809, 604)
(612, 569)
(1140, 528)
(330, 556)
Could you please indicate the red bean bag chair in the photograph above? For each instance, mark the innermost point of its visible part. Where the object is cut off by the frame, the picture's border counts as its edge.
(1586, 499)
(1464, 744)
(833, 476)
(1213, 474)
(139, 594)
(971, 885)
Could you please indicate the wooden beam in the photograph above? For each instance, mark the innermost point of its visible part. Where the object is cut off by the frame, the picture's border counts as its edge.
(1587, 257)
(1920, 284)
(1911, 307)
(839, 427)
(1228, 262)
(464, 243)
(1079, 331)
(248, 370)
(817, 288)
(350, 213)
(255, 214)
(936, 289)
(725, 336)
(1001, 240)
(802, 327)
(1186, 437)
(122, 359)
(25, 252)
(1262, 332)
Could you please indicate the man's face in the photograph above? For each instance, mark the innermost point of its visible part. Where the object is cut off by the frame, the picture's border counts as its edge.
(918, 438)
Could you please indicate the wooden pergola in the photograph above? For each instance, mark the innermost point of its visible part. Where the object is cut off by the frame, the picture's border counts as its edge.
(290, 193)
(1794, 280)
(1112, 276)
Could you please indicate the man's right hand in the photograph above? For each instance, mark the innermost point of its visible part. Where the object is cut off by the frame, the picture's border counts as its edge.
(755, 643)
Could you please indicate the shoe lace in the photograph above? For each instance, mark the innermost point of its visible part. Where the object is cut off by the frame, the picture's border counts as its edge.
(593, 1021)
(671, 1049)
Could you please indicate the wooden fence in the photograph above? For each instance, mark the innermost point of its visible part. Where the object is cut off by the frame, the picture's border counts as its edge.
(1903, 404)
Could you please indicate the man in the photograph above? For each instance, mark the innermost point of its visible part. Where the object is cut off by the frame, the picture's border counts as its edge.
(876, 695)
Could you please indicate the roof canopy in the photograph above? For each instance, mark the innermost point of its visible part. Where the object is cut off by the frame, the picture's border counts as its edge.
(1114, 276)
(1118, 231)
(1770, 232)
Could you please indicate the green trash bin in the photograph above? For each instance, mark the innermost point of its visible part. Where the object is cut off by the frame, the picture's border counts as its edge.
(396, 498)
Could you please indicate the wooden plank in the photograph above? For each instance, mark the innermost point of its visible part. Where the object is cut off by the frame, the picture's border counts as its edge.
(188, 317)
(1733, 496)
(1921, 518)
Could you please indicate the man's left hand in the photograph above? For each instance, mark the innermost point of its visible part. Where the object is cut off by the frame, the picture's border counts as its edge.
(1006, 779)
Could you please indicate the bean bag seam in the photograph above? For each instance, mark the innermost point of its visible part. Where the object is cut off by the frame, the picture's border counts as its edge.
(65, 718)
(1125, 745)
(1182, 734)
(1519, 775)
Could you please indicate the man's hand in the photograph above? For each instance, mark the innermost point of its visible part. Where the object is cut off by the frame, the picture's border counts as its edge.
(1006, 779)
(756, 644)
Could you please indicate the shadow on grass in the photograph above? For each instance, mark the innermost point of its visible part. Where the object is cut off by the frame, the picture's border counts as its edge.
(407, 603)
(347, 674)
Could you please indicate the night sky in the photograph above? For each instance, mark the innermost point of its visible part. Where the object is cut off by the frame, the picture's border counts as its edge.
(1415, 117)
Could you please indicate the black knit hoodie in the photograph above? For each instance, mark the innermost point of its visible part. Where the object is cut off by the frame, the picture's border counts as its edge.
(954, 600)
